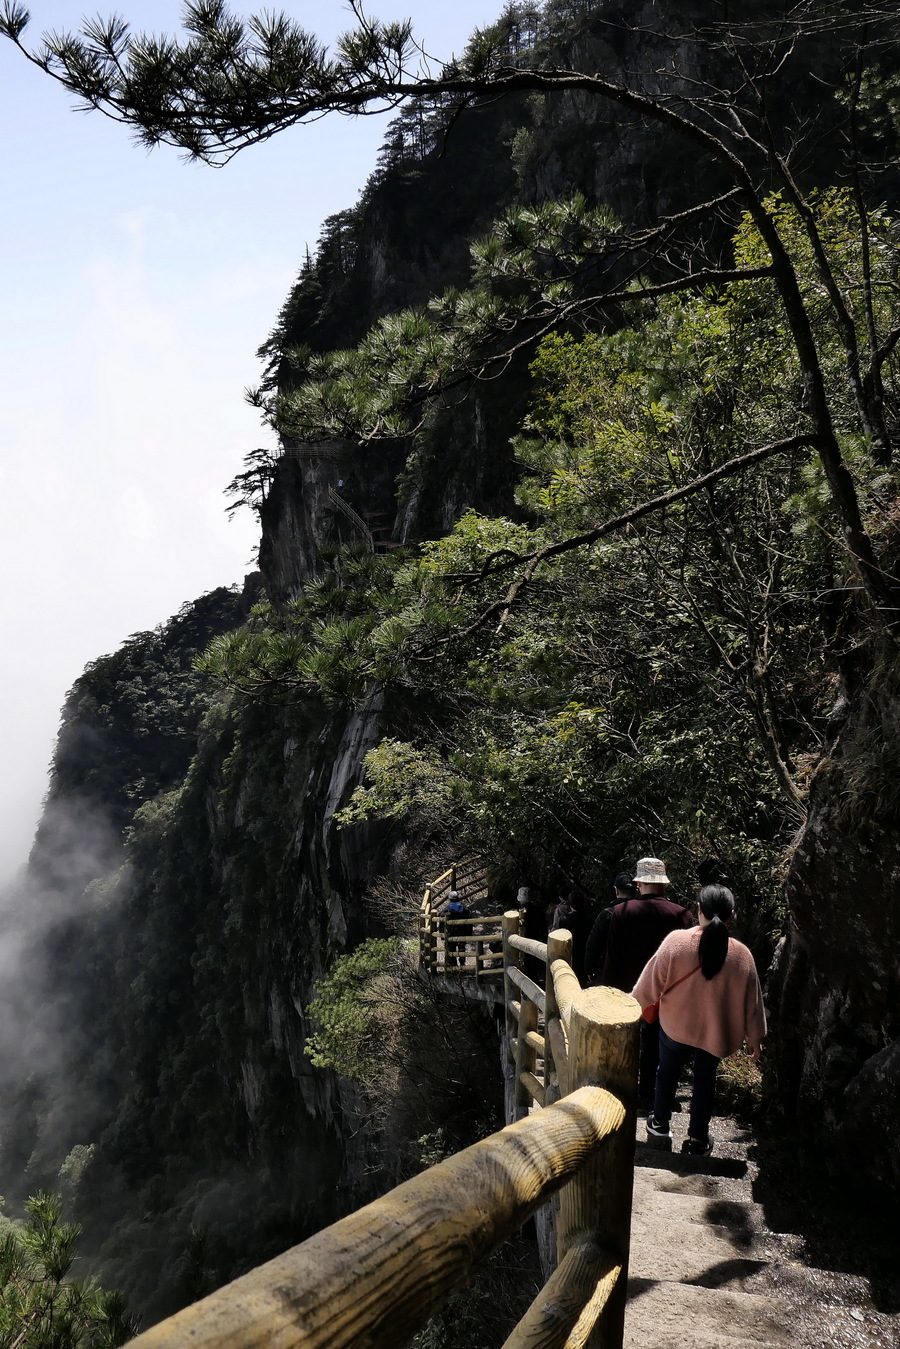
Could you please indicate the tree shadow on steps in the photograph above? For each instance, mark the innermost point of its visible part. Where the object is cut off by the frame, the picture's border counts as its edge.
(848, 1233)
(727, 1274)
(730, 1168)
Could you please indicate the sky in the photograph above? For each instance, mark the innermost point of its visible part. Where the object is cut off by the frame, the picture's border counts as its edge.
(134, 292)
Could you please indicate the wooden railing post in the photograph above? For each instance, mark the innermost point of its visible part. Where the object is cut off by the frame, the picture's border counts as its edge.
(375, 1277)
(511, 922)
(525, 1056)
(426, 922)
(559, 947)
(604, 1027)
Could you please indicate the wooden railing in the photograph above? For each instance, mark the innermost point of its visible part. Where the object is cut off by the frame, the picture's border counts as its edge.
(317, 449)
(470, 947)
(375, 1277)
(541, 1060)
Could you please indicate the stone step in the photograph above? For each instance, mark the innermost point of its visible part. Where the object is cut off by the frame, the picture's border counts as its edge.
(726, 1168)
(740, 1216)
(725, 1132)
(676, 1177)
(666, 1246)
(664, 1315)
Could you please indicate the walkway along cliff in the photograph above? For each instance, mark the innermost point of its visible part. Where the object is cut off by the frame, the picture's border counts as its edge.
(705, 1270)
(375, 1277)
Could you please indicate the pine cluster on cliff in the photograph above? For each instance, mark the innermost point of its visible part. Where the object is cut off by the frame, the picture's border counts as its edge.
(650, 647)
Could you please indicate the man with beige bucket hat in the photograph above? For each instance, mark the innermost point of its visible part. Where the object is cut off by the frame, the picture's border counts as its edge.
(623, 939)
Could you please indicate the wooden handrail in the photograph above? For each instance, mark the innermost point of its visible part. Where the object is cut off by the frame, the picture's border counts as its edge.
(565, 987)
(460, 876)
(529, 947)
(571, 1301)
(559, 949)
(452, 954)
(376, 1276)
(532, 991)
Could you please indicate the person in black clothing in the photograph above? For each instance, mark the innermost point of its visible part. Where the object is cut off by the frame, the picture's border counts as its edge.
(533, 924)
(580, 922)
(623, 939)
(595, 953)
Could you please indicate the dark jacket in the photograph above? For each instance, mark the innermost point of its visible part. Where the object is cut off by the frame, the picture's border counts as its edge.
(580, 922)
(626, 935)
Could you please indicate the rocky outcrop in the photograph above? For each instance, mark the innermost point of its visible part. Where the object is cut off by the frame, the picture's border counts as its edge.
(187, 887)
(836, 983)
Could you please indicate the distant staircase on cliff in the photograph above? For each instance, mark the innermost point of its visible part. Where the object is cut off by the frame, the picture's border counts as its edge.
(469, 948)
(355, 519)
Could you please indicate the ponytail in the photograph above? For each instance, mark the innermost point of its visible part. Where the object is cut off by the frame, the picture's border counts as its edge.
(717, 905)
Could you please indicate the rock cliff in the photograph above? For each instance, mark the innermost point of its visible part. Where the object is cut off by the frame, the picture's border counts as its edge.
(836, 981)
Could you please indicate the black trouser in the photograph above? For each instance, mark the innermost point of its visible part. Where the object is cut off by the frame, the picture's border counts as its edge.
(649, 1058)
(672, 1058)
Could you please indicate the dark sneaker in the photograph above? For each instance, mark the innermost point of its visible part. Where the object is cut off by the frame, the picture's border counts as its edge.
(659, 1135)
(696, 1147)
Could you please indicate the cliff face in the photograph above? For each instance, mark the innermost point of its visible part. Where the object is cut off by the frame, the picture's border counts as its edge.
(836, 982)
(165, 1077)
(191, 880)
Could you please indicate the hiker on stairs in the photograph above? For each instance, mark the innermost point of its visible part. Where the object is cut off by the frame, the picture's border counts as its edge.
(624, 938)
(455, 938)
(705, 986)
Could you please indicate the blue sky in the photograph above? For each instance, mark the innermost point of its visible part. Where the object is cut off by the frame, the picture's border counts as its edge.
(134, 291)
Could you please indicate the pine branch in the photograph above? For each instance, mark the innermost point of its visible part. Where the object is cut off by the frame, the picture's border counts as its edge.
(504, 560)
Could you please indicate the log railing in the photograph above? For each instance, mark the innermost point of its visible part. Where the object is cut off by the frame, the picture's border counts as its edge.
(471, 947)
(375, 1277)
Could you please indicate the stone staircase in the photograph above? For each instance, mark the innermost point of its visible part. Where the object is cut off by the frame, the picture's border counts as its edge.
(707, 1273)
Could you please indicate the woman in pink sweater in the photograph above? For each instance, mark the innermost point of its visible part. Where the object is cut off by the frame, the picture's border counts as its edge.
(710, 1002)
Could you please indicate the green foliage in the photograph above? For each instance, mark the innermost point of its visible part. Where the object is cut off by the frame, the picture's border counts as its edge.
(739, 1087)
(40, 1306)
(534, 261)
(405, 783)
(199, 1268)
(73, 1168)
(665, 683)
(130, 721)
(416, 1054)
(346, 1008)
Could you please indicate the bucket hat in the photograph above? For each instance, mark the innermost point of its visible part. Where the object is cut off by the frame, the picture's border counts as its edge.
(651, 870)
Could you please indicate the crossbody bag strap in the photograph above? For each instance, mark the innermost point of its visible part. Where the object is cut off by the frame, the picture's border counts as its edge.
(677, 982)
